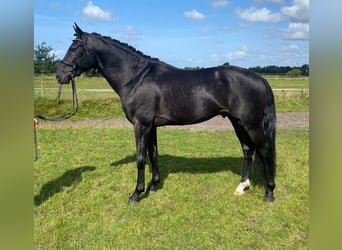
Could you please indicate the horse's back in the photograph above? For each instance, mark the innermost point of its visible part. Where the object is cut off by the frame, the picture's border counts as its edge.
(190, 96)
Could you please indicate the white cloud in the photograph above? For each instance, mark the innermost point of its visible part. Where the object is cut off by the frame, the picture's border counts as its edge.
(297, 31)
(194, 14)
(298, 12)
(292, 48)
(218, 3)
(236, 55)
(215, 57)
(58, 53)
(259, 15)
(94, 13)
(231, 56)
(130, 34)
(239, 54)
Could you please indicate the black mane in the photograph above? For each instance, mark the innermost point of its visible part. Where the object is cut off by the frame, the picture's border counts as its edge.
(110, 41)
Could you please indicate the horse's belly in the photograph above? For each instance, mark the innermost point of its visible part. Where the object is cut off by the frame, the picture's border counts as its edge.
(187, 114)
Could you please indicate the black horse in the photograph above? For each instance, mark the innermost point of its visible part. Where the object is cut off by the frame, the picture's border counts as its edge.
(155, 94)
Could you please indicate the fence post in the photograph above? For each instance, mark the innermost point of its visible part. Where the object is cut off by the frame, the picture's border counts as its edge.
(42, 89)
(59, 94)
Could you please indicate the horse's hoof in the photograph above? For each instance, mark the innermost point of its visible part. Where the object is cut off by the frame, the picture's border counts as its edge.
(151, 189)
(133, 199)
(238, 192)
(242, 186)
(269, 197)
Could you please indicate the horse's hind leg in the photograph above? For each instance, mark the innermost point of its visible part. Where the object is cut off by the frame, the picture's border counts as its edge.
(269, 171)
(153, 155)
(264, 162)
(248, 150)
(246, 169)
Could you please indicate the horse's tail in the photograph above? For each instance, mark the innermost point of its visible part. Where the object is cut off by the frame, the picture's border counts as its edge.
(269, 129)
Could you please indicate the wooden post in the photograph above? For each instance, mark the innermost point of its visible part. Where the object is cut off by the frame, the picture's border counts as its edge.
(42, 89)
(59, 94)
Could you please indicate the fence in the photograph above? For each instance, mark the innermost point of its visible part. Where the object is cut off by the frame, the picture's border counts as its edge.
(43, 90)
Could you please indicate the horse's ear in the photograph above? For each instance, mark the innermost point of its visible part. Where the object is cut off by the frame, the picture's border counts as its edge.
(79, 32)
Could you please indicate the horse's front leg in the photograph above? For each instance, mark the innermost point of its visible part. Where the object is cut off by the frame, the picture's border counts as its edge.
(141, 138)
(153, 155)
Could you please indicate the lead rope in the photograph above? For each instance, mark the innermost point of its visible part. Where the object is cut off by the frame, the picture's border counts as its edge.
(54, 119)
(71, 113)
(35, 126)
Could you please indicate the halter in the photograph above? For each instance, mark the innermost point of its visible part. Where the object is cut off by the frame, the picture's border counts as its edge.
(73, 65)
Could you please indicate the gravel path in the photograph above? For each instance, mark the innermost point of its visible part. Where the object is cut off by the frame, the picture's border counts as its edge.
(284, 120)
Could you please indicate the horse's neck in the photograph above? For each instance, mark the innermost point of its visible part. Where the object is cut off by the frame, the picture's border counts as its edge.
(119, 69)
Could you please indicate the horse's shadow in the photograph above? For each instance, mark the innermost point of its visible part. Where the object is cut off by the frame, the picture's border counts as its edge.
(169, 164)
(68, 179)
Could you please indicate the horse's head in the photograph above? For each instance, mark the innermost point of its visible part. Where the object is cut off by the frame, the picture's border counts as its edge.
(77, 59)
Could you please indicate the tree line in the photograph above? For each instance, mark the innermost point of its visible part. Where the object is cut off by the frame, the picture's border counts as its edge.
(274, 70)
(282, 70)
(46, 62)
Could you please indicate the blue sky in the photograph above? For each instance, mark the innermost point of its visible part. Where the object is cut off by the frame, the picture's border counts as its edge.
(192, 33)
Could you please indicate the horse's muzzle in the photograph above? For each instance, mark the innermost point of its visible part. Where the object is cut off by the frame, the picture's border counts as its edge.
(63, 79)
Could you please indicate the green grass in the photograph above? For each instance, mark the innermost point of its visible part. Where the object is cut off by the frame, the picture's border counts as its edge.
(108, 105)
(84, 176)
(91, 104)
(286, 82)
(292, 101)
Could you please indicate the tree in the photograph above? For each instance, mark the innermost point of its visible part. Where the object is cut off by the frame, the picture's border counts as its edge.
(294, 73)
(92, 73)
(44, 61)
(305, 70)
(191, 68)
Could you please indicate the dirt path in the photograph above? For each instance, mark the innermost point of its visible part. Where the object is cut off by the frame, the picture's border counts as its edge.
(284, 120)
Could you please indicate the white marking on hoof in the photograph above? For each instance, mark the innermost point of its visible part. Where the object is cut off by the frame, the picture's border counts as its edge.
(242, 186)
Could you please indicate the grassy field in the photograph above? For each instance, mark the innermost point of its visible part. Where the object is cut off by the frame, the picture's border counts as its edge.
(84, 176)
(107, 104)
(286, 82)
